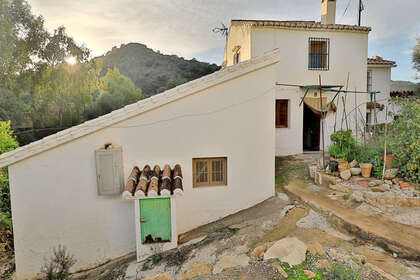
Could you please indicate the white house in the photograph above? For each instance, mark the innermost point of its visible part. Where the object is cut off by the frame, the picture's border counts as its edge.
(379, 80)
(338, 53)
(60, 185)
(134, 179)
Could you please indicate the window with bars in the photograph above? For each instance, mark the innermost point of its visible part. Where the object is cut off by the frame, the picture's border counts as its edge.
(209, 172)
(282, 113)
(369, 81)
(319, 54)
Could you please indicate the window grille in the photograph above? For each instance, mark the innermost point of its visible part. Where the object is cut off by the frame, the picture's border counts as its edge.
(319, 54)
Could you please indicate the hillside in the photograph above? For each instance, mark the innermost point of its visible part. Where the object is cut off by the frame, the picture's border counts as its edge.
(151, 71)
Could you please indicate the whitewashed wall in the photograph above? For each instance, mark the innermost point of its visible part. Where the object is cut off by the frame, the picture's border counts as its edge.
(54, 194)
(348, 54)
(381, 81)
(239, 35)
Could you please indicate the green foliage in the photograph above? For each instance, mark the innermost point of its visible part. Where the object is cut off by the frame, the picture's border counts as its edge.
(405, 140)
(7, 140)
(152, 71)
(346, 196)
(416, 55)
(58, 266)
(344, 145)
(115, 91)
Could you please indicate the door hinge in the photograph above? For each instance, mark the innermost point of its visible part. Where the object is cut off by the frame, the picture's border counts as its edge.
(143, 220)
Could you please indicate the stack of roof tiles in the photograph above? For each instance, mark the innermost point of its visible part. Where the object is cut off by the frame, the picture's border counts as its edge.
(153, 182)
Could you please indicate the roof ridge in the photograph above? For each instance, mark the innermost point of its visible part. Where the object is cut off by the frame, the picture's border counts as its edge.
(139, 107)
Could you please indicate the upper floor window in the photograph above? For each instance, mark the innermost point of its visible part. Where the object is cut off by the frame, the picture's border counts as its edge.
(369, 81)
(319, 54)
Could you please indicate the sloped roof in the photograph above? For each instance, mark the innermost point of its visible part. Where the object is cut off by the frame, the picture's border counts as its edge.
(377, 60)
(139, 107)
(303, 25)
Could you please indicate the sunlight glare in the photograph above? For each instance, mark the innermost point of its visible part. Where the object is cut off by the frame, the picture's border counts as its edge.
(71, 60)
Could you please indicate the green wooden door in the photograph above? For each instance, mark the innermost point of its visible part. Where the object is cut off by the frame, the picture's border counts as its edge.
(155, 219)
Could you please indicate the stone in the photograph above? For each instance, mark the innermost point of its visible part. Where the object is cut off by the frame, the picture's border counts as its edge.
(354, 164)
(195, 269)
(388, 182)
(158, 277)
(381, 188)
(258, 251)
(323, 264)
(339, 188)
(390, 173)
(280, 269)
(290, 250)
(381, 272)
(357, 197)
(193, 241)
(355, 171)
(316, 249)
(230, 261)
(309, 274)
(396, 181)
(283, 196)
(345, 174)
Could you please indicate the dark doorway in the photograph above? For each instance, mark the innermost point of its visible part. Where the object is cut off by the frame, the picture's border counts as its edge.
(311, 129)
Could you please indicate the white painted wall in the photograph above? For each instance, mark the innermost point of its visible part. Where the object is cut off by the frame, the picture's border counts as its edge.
(54, 193)
(348, 54)
(381, 81)
(239, 35)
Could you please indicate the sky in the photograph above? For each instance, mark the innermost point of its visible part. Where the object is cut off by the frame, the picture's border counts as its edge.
(184, 27)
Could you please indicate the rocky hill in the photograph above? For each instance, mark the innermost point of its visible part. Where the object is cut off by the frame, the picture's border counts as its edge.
(152, 71)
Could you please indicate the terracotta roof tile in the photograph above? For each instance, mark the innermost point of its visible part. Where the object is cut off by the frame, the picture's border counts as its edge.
(377, 60)
(153, 183)
(303, 24)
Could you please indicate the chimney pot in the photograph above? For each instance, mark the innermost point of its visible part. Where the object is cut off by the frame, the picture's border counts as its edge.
(328, 11)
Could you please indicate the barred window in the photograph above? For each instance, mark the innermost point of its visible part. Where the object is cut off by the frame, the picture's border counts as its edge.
(209, 172)
(319, 56)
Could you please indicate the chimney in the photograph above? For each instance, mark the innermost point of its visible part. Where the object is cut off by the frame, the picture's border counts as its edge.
(328, 11)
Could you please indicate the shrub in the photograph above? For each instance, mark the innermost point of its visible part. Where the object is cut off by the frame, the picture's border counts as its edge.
(405, 140)
(344, 145)
(58, 266)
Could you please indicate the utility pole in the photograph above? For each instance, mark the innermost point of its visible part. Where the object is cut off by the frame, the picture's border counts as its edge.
(360, 12)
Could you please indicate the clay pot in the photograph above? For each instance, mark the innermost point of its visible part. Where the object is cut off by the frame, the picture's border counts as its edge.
(366, 169)
(388, 159)
(343, 165)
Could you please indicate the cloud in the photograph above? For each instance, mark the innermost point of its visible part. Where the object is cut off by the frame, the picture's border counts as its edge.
(183, 27)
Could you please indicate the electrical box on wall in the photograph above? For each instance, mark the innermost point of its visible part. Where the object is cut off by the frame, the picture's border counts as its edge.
(109, 171)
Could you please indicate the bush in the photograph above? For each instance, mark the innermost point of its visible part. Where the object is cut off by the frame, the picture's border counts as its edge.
(372, 152)
(344, 145)
(405, 140)
(58, 266)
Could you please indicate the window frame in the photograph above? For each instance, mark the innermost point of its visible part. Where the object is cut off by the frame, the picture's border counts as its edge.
(327, 54)
(369, 81)
(280, 101)
(210, 182)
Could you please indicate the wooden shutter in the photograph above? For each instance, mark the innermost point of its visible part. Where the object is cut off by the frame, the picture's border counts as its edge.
(282, 113)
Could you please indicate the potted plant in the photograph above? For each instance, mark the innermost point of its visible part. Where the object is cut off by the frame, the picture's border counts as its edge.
(363, 157)
(343, 148)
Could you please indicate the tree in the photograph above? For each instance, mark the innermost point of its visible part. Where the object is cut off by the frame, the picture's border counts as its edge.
(115, 91)
(416, 55)
(7, 140)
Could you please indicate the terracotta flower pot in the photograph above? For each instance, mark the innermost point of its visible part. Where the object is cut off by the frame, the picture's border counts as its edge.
(343, 165)
(366, 169)
(388, 160)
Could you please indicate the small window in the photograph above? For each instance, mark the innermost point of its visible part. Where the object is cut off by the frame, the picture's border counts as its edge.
(319, 57)
(369, 81)
(209, 172)
(282, 113)
(236, 57)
